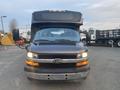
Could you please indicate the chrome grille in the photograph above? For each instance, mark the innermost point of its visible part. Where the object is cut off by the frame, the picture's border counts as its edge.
(53, 56)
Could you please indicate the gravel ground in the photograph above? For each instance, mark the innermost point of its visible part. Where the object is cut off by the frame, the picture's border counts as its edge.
(104, 73)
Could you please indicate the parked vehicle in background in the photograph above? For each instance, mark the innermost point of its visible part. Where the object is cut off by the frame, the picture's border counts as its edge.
(105, 37)
(56, 51)
(18, 40)
(21, 43)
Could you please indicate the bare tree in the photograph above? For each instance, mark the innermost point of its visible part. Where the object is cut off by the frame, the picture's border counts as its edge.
(13, 25)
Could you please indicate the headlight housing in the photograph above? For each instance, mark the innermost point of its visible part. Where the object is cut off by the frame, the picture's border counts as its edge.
(32, 55)
(82, 55)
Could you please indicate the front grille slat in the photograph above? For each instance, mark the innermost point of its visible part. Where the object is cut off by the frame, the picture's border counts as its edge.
(53, 56)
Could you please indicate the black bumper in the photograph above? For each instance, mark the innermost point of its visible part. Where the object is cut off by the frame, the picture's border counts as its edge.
(56, 70)
(57, 74)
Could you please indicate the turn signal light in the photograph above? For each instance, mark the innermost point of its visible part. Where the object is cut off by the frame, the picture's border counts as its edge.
(82, 63)
(32, 63)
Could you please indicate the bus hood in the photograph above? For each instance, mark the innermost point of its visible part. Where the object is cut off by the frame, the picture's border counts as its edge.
(57, 48)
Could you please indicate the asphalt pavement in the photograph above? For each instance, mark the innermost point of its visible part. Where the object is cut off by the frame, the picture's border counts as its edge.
(104, 73)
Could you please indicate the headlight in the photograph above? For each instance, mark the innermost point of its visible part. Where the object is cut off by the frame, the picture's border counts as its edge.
(32, 55)
(84, 54)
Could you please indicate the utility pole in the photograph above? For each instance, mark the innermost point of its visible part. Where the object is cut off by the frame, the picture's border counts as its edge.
(2, 23)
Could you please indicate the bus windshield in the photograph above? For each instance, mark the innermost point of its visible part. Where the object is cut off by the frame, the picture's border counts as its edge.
(57, 34)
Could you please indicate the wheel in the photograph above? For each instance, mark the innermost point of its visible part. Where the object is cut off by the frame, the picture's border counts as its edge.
(111, 42)
(118, 43)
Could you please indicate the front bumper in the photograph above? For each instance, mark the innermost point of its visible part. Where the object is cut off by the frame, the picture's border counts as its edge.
(44, 73)
(57, 74)
(61, 76)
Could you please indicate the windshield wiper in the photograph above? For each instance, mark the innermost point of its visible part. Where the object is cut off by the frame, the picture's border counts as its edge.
(42, 40)
(65, 41)
(62, 41)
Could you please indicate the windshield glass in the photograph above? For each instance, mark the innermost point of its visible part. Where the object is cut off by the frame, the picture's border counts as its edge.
(57, 34)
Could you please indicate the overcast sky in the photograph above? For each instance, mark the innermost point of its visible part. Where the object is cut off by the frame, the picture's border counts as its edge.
(98, 14)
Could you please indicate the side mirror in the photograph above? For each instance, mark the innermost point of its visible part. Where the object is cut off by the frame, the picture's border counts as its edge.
(84, 41)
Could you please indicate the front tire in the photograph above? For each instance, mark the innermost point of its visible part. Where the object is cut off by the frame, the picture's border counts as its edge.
(111, 43)
(118, 43)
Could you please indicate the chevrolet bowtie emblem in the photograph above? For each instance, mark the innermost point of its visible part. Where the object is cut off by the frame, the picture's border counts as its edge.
(57, 60)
